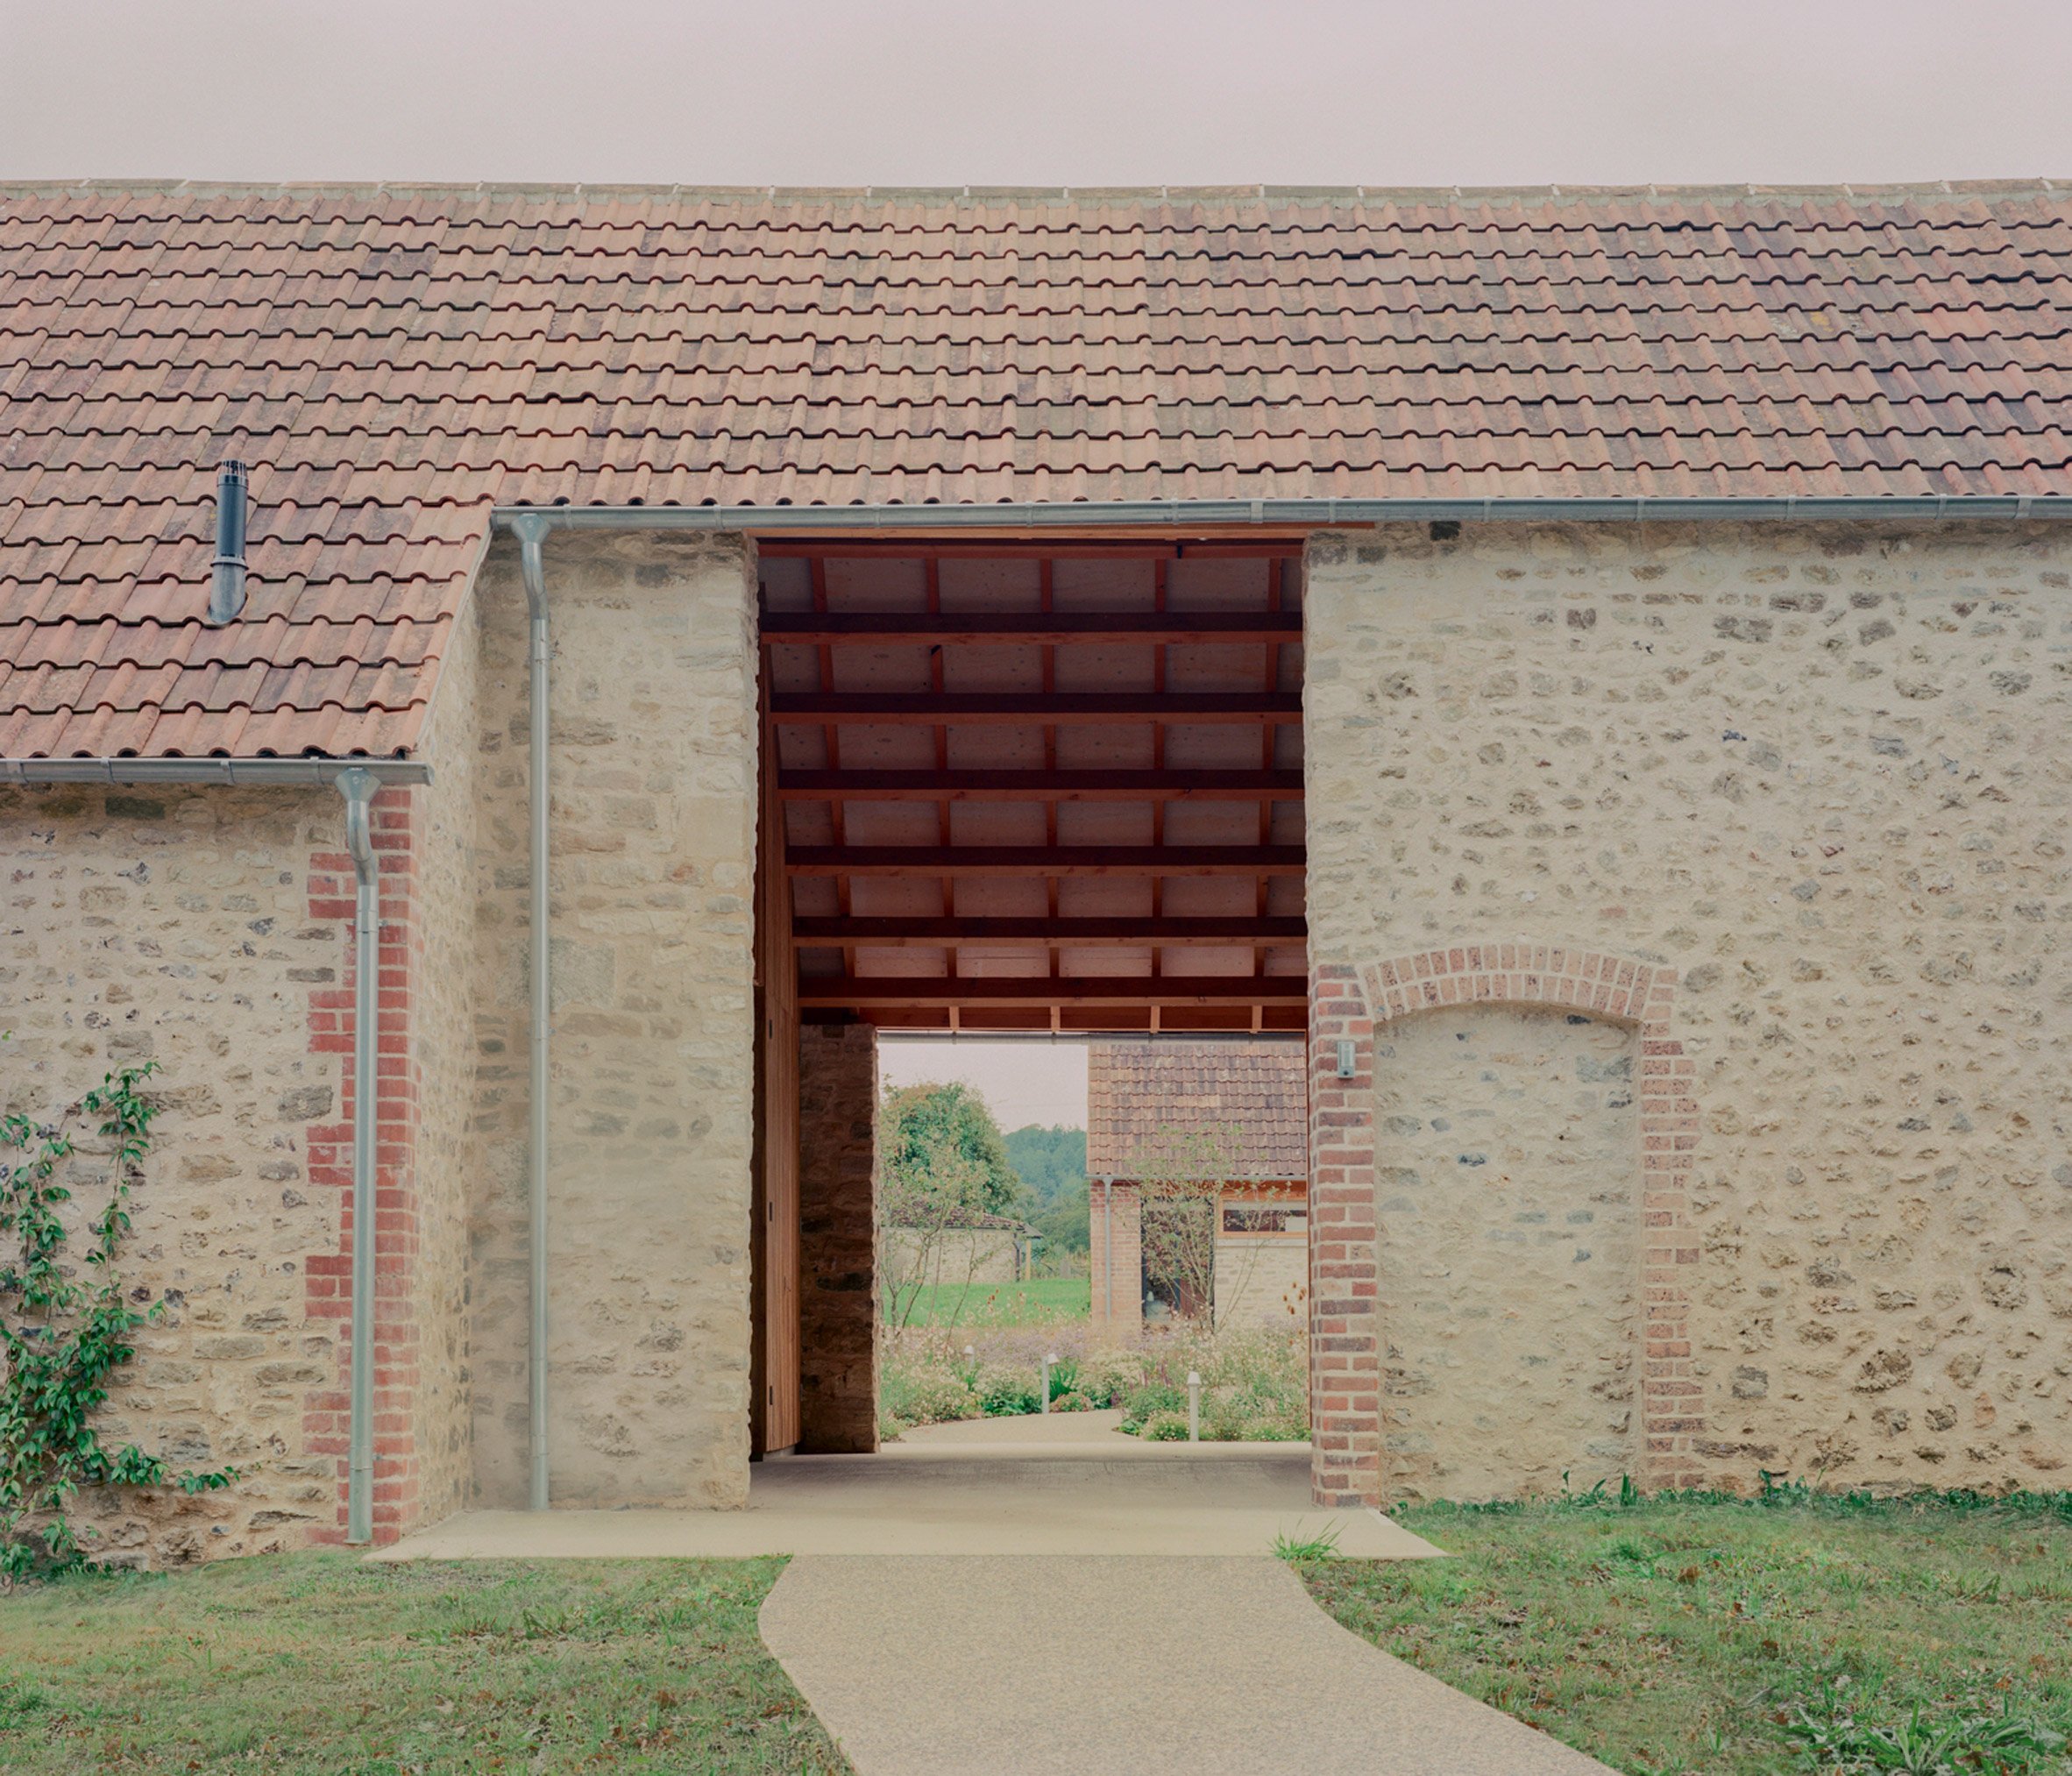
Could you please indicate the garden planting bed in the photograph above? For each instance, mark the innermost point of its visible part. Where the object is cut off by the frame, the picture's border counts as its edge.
(1254, 1382)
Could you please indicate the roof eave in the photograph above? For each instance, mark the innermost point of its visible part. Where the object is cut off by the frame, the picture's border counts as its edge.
(253, 773)
(1292, 516)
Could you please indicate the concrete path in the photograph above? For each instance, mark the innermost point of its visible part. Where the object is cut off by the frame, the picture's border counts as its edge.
(1065, 1484)
(1000, 1666)
(1100, 1431)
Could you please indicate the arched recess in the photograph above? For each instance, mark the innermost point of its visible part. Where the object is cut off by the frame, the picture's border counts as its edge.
(1348, 1422)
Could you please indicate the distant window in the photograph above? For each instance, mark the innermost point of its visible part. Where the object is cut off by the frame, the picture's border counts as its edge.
(1240, 1217)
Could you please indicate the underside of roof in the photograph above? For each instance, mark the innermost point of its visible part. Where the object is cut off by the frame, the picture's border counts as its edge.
(391, 363)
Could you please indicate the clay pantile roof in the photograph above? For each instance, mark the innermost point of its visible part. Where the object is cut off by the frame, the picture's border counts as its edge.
(392, 362)
(1249, 1098)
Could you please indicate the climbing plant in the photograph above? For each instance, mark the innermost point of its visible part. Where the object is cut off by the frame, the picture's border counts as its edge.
(65, 1328)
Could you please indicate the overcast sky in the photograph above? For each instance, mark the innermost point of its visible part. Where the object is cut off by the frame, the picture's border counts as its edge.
(1060, 92)
(1022, 1081)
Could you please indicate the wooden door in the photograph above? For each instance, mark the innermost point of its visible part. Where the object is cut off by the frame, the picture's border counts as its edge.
(774, 1243)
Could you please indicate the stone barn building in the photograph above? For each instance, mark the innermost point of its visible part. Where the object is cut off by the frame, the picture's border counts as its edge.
(1597, 663)
(1222, 1121)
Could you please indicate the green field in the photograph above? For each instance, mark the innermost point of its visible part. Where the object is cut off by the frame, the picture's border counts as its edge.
(1823, 1636)
(1042, 1301)
(314, 1663)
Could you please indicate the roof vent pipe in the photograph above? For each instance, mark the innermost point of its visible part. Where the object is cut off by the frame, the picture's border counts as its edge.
(226, 595)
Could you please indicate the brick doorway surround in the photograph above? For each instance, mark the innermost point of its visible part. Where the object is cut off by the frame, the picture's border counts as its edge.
(1348, 1419)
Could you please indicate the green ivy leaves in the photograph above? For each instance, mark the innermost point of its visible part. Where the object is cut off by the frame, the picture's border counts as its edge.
(65, 1330)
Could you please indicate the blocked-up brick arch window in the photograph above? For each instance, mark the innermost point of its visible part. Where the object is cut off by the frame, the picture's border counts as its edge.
(1349, 1415)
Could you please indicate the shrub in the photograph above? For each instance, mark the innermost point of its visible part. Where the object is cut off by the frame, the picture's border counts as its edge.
(1107, 1378)
(1070, 1403)
(924, 1395)
(1147, 1401)
(1166, 1427)
(1005, 1393)
(1064, 1377)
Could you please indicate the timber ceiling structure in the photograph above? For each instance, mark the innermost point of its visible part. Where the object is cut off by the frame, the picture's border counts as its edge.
(1050, 785)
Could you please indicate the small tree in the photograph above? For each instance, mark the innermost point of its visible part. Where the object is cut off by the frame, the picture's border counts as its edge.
(63, 1334)
(942, 1166)
(1182, 1174)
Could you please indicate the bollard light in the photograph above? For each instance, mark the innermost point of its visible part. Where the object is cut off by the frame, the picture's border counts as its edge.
(1048, 1364)
(1193, 1406)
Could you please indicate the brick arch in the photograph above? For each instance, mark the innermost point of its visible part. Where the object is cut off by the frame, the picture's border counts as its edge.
(1348, 1424)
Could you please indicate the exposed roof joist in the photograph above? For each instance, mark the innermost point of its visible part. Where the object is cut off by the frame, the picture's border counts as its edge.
(1041, 786)
(929, 708)
(871, 992)
(1044, 860)
(1032, 628)
(1238, 931)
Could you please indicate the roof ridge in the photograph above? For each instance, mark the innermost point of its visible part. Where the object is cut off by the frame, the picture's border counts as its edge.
(501, 191)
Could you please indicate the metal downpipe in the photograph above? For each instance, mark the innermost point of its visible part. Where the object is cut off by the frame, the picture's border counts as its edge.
(358, 787)
(1108, 1252)
(531, 531)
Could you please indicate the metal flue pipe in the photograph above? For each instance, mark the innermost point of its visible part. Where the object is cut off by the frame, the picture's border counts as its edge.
(531, 531)
(358, 787)
(226, 588)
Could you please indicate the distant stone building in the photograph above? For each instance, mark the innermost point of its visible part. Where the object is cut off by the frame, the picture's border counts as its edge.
(1227, 1119)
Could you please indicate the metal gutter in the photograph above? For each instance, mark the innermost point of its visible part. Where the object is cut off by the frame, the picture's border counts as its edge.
(359, 787)
(1080, 515)
(531, 531)
(254, 773)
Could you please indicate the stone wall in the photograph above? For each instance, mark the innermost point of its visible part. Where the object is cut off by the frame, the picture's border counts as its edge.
(173, 926)
(653, 778)
(1262, 1279)
(952, 1258)
(837, 1239)
(1115, 1213)
(1509, 1206)
(442, 1015)
(1817, 779)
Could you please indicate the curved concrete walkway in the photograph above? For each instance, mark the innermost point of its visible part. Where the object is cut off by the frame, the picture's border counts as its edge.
(999, 1666)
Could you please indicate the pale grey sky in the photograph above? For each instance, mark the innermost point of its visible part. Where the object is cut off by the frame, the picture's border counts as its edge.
(1074, 92)
(1022, 1081)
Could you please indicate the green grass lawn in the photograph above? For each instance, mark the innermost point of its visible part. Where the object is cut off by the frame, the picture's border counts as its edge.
(1042, 1301)
(1734, 1639)
(317, 1663)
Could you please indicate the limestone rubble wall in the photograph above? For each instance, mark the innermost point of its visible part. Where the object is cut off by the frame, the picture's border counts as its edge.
(1819, 777)
(654, 799)
(173, 926)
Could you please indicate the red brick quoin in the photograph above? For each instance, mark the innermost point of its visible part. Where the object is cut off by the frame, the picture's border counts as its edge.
(399, 954)
(1347, 1420)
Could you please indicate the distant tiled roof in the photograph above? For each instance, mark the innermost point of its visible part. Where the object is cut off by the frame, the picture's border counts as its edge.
(1251, 1098)
(392, 362)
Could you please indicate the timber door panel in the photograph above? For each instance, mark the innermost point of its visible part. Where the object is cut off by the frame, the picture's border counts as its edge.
(774, 1242)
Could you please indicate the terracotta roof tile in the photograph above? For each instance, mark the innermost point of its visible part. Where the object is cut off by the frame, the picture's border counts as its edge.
(392, 362)
(1253, 1096)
